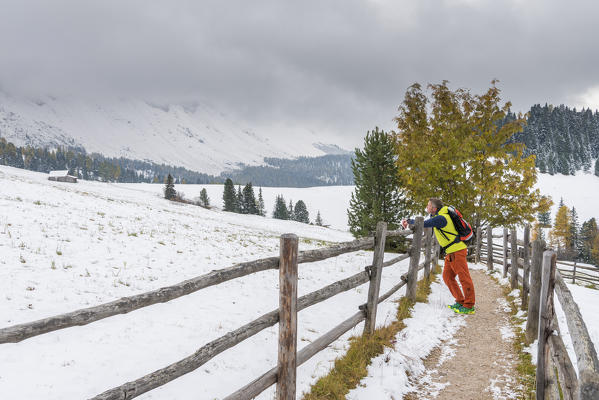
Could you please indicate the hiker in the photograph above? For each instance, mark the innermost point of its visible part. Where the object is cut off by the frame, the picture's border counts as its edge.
(455, 255)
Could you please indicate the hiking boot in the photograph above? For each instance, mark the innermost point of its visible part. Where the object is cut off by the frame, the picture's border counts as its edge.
(464, 310)
(454, 306)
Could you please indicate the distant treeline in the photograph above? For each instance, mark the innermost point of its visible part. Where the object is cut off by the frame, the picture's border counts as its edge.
(302, 172)
(564, 140)
(328, 170)
(95, 166)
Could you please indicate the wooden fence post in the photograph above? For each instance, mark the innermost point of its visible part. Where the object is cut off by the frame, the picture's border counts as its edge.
(532, 322)
(514, 254)
(489, 248)
(428, 243)
(574, 273)
(375, 277)
(479, 241)
(526, 268)
(546, 387)
(505, 252)
(414, 259)
(286, 367)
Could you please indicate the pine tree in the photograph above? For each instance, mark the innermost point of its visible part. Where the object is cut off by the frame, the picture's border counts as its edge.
(249, 200)
(239, 200)
(588, 232)
(290, 212)
(376, 196)
(597, 167)
(318, 220)
(301, 212)
(229, 197)
(169, 188)
(575, 245)
(280, 211)
(204, 199)
(261, 208)
(544, 219)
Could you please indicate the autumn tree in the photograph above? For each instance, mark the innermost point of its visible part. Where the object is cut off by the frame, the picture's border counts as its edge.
(457, 146)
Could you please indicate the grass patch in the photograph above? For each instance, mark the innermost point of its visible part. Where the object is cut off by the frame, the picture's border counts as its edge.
(349, 370)
(527, 371)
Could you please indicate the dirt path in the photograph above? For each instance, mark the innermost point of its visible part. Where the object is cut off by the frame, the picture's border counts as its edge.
(483, 366)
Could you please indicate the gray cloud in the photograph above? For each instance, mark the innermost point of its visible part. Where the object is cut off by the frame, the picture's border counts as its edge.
(337, 66)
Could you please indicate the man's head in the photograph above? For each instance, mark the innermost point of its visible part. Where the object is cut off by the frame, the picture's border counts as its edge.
(434, 205)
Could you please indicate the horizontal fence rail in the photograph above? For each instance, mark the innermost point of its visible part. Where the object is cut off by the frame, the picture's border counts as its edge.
(125, 305)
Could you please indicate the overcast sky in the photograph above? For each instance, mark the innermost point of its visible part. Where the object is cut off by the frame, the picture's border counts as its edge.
(337, 67)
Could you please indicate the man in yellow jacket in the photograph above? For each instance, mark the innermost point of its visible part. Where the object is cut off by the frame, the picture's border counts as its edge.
(455, 256)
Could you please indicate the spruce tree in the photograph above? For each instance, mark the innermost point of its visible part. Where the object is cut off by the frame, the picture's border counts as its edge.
(544, 219)
(301, 212)
(239, 200)
(280, 211)
(204, 199)
(376, 196)
(575, 245)
(290, 212)
(318, 220)
(229, 197)
(249, 200)
(169, 188)
(261, 208)
(597, 167)
(588, 232)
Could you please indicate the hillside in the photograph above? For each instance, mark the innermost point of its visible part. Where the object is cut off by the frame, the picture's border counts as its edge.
(193, 135)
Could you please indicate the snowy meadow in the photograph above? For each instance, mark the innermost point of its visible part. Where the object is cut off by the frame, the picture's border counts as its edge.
(69, 246)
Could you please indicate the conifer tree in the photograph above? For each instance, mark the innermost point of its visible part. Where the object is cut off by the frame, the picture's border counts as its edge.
(376, 196)
(261, 208)
(301, 212)
(169, 188)
(280, 211)
(204, 199)
(575, 245)
(249, 200)
(239, 200)
(597, 167)
(454, 147)
(588, 232)
(544, 219)
(290, 212)
(318, 220)
(229, 196)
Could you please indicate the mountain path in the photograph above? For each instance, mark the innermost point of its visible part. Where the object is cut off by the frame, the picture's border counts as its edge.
(480, 361)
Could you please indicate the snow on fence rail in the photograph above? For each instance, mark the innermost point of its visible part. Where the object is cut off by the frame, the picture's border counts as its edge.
(545, 280)
(286, 315)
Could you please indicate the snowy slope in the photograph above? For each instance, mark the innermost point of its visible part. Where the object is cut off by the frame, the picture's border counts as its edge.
(193, 135)
(67, 246)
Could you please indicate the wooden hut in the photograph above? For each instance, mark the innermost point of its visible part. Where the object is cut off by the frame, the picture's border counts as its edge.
(61, 176)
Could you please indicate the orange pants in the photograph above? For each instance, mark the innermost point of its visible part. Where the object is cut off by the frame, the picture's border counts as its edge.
(455, 264)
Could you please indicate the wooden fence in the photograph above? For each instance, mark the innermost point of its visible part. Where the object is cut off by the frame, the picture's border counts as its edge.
(284, 374)
(539, 281)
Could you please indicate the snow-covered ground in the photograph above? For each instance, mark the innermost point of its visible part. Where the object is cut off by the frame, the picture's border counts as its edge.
(67, 246)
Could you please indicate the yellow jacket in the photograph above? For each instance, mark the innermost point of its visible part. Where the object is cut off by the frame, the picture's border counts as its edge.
(447, 234)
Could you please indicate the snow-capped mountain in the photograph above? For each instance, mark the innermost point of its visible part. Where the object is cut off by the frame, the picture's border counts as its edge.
(193, 135)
